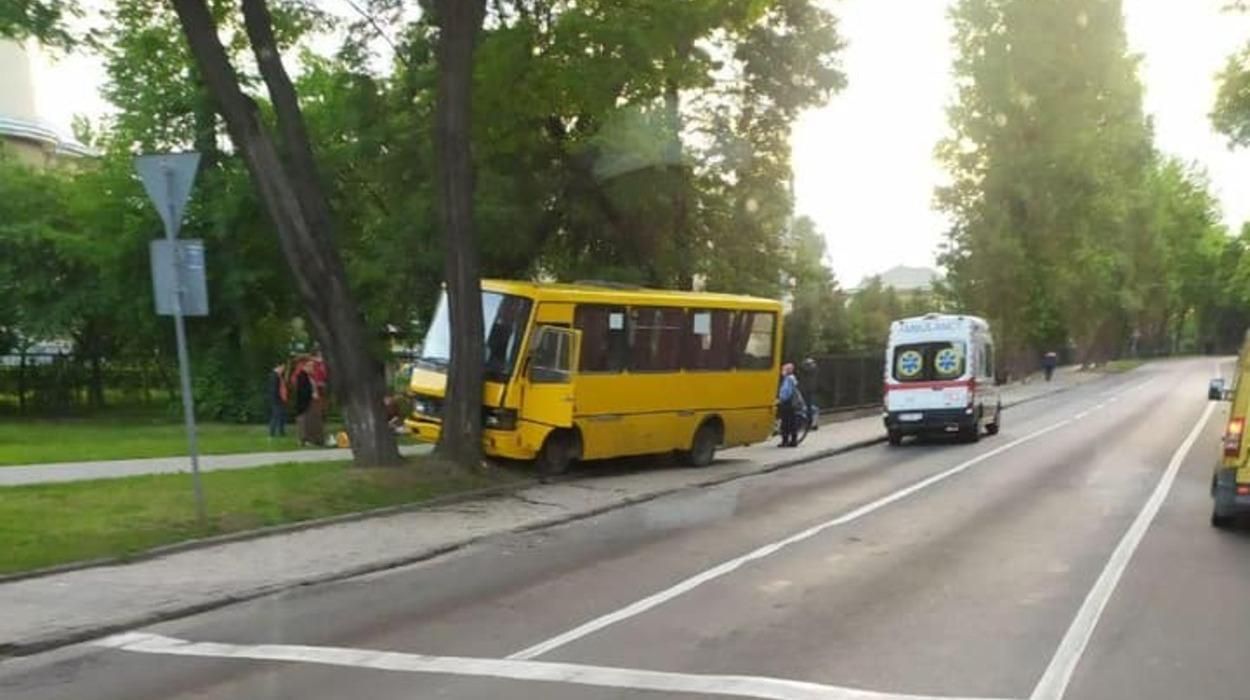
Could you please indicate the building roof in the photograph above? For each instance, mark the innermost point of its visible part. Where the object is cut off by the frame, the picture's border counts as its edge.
(19, 116)
(906, 279)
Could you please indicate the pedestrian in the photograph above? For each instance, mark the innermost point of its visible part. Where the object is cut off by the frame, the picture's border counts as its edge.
(786, 405)
(306, 416)
(276, 394)
(321, 400)
(1049, 361)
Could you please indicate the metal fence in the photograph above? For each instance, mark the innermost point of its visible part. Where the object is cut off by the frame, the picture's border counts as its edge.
(843, 382)
(61, 382)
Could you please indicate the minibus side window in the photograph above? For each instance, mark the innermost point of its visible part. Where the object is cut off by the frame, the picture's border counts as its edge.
(753, 340)
(655, 334)
(605, 339)
(707, 339)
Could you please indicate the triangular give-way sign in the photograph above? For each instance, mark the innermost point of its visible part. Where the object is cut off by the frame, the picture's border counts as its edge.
(167, 177)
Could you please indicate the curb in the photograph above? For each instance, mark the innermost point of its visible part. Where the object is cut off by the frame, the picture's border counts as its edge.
(26, 648)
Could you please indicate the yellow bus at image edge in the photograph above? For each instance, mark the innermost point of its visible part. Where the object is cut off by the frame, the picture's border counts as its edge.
(590, 371)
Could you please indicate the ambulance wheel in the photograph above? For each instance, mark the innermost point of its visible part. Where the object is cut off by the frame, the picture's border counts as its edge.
(895, 437)
(992, 428)
(971, 433)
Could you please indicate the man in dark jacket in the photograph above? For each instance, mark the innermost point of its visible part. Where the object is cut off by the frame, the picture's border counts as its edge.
(275, 395)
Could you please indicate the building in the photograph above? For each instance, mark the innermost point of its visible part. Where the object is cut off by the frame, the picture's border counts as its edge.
(22, 133)
(906, 280)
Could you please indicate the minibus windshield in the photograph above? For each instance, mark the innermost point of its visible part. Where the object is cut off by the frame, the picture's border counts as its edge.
(504, 319)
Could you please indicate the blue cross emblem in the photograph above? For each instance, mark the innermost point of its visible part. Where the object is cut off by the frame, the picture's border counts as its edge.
(947, 362)
(909, 363)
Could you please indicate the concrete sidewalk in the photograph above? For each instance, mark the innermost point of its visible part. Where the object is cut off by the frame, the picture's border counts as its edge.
(120, 468)
(47, 611)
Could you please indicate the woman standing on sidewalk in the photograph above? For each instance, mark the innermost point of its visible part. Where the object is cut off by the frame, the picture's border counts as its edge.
(307, 414)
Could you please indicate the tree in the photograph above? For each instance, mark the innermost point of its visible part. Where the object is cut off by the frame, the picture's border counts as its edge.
(1049, 153)
(43, 20)
(1231, 115)
(458, 22)
(289, 185)
(817, 323)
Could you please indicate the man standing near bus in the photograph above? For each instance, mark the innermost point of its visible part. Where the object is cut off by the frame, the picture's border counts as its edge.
(785, 406)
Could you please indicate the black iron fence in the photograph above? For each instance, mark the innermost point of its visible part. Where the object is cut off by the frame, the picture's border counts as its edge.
(59, 383)
(843, 382)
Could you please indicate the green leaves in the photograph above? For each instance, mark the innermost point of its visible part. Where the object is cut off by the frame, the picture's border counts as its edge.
(1231, 116)
(43, 20)
(1068, 227)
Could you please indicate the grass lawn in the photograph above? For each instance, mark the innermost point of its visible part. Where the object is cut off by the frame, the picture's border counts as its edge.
(47, 524)
(124, 436)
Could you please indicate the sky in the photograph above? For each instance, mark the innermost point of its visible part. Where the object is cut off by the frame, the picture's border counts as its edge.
(864, 167)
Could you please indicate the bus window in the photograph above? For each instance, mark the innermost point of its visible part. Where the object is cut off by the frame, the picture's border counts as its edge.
(605, 343)
(504, 318)
(655, 338)
(753, 340)
(707, 341)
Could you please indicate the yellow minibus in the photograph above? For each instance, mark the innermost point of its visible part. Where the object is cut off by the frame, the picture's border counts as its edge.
(595, 370)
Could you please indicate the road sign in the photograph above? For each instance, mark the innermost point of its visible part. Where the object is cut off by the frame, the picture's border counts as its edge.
(178, 277)
(167, 177)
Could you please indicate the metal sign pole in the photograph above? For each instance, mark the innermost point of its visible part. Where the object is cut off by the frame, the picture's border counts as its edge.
(184, 360)
(177, 276)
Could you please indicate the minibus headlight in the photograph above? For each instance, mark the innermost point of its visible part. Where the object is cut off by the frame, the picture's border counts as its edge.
(499, 418)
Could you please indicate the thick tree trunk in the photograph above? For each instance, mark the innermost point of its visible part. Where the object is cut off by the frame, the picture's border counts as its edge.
(459, 22)
(296, 203)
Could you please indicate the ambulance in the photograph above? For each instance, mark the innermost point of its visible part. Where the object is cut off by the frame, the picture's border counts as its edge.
(939, 378)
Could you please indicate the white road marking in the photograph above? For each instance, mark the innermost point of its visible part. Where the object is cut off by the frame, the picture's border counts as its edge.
(719, 570)
(1054, 682)
(543, 671)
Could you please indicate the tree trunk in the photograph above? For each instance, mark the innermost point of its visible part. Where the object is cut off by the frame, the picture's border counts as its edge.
(458, 22)
(296, 203)
(683, 237)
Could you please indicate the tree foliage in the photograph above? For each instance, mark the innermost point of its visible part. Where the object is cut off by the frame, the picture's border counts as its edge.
(615, 139)
(1069, 228)
(42, 20)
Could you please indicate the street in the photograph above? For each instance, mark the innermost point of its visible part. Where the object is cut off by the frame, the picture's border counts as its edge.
(1057, 559)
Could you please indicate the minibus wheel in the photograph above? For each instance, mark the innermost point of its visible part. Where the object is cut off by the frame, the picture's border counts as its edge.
(558, 452)
(703, 445)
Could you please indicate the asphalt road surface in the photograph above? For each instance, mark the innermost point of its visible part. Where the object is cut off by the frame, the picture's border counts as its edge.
(1069, 556)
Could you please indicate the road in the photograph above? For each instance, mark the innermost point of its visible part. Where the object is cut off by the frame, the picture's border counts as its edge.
(1070, 556)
